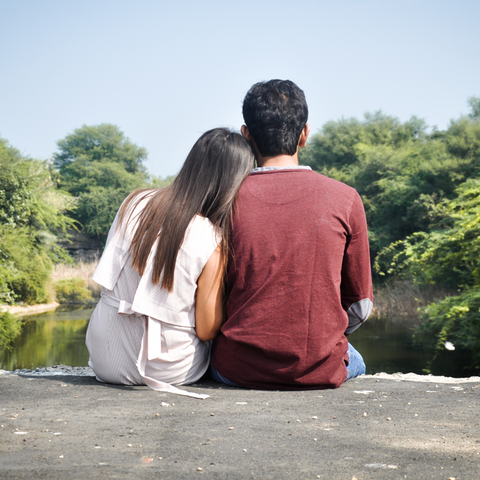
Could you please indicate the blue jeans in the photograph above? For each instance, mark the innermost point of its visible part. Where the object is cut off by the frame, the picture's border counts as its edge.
(219, 378)
(355, 367)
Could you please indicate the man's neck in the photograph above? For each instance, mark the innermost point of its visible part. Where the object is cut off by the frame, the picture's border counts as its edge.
(278, 161)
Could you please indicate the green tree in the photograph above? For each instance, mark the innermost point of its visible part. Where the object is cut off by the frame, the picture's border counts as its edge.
(31, 218)
(90, 144)
(25, 267)
(159, 182)
(462, 139)
(402, 187)
(474, 103)
(100, 166)
(335, 145)
(447, 256)
(400, 172)
(27, 193)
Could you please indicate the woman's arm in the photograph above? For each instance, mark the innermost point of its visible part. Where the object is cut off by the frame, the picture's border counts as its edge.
(209, 304)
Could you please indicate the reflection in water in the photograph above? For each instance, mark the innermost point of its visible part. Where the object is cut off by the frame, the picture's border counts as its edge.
(387, 345)
(51, 338)
(58, 337)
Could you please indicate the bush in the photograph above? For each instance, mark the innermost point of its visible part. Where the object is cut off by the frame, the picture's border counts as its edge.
(73, 290)
(10, 328)
(31, 217)
(448, 257)
(457, 320)
(24, 267)
(62, 271)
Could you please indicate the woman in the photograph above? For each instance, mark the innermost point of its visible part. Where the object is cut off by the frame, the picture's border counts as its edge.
(162, 271)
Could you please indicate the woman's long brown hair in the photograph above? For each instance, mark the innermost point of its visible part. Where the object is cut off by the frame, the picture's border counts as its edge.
(207, 185)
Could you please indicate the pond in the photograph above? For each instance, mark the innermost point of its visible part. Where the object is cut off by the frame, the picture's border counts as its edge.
(58, 337)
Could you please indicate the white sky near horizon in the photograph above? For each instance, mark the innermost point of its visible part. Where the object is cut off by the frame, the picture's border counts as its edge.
(165, 71)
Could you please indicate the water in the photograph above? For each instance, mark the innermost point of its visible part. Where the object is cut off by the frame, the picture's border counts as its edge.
(387, 345)
(51, 338)
(58, 337)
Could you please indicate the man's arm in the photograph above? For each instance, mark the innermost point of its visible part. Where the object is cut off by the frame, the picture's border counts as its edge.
(356, 287)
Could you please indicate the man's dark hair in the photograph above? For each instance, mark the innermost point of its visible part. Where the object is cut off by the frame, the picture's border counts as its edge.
(275, 113)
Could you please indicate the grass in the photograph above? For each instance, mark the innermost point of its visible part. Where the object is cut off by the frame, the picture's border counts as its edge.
(78, 270)
(73, 290)
(404, 298)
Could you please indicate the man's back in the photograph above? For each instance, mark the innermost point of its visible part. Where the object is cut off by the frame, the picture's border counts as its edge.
(300, 261)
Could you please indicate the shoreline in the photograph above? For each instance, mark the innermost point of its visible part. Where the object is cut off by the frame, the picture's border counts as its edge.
(22, 310)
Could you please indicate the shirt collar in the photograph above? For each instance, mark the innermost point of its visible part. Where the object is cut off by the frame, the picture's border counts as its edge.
(266, 169)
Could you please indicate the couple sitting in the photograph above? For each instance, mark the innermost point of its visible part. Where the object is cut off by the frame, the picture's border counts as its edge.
(271, 263)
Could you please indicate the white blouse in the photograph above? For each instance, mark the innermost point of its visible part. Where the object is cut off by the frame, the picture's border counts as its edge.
(140, 333)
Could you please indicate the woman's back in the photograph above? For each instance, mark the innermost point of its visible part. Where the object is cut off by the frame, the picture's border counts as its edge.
(118, 341)
(162, 271)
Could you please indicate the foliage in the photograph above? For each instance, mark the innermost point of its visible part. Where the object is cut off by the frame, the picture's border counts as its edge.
(98, 203)
(449, 256)
(15, 186)
(462, 139)
(27, 193)
(335, 145)
(25, 267)
(31, 218)
(422, 199)
(83, 270)
(90, 144)
(456, 319)
(159, 182)
(72, 290)
(402, 172)
(10, 328)
(474, 103)
(100, 166)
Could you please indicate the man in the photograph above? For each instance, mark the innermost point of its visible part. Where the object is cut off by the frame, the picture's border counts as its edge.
(299, 279)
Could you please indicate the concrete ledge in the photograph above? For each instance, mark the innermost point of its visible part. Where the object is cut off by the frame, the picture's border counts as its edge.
(67, 370)
(71, 426)
(413, 377)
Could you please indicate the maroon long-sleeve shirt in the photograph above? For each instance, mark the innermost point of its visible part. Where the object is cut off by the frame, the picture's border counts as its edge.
(298, 281)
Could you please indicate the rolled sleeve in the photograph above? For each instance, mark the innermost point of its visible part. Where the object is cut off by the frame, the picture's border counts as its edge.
(356, 286)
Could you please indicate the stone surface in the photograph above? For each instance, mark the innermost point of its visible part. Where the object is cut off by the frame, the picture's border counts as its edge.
(71, 426)
(81, 247)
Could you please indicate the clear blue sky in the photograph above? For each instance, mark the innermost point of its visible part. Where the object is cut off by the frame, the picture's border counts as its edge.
(166, 71)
